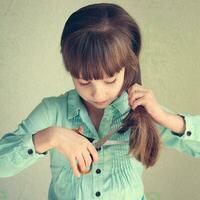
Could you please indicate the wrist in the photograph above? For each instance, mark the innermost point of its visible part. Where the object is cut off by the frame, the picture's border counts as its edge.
(163, 117)
(51, 137)
(173, 122)
(43, 140)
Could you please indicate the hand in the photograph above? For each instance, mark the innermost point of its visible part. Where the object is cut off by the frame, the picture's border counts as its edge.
(77, 149)
(140, 96)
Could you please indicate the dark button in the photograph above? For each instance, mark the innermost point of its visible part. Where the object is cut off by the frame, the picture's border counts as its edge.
(189, 133)
(98, 194)
(30, 151)
(98, 171)
(98, 149)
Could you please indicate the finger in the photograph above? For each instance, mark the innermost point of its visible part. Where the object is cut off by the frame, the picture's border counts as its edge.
(80, 130)
(75, 130)
(136, 95)
(81, 162)
(74, 166)
(139, 102)
(88, 158)
(93, 152)
(136, 87)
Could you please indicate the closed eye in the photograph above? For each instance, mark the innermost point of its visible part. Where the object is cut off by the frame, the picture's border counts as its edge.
(84, 83)
(105, 82)
(111, 81)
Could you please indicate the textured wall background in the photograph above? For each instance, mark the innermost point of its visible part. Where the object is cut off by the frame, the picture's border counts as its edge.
(31, 68)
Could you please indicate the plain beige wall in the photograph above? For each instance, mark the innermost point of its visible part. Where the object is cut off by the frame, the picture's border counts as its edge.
(31, 68)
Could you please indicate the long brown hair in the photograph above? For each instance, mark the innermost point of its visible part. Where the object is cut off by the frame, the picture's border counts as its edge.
(104, 38)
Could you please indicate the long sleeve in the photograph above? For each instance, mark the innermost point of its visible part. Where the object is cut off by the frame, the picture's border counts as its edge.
(17, 150)
(189, 141)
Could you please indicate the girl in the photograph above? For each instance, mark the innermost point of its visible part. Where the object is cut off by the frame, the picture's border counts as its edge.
(100, 46)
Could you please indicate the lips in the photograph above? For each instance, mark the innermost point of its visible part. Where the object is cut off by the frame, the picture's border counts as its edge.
(102, 102)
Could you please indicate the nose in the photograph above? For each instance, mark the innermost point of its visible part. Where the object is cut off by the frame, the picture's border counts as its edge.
(98, 94)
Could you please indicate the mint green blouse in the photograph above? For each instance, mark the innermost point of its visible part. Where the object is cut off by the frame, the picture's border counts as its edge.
(116, 175)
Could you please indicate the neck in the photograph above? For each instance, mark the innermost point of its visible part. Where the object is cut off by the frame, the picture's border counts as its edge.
(91, 109)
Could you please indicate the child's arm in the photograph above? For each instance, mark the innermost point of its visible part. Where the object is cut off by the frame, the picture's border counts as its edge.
(189, 141)
(174, 122)
(77, 149)
(36, 135)
(17, 150)
(177, 131)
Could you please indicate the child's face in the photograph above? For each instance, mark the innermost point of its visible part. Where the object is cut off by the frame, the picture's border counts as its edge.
(100, 93)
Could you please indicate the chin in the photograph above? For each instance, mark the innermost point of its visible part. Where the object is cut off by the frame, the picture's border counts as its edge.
(100, 106)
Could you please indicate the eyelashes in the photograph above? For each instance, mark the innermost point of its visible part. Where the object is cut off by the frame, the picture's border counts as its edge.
(105, 82)
(111, 82)
(83, 83)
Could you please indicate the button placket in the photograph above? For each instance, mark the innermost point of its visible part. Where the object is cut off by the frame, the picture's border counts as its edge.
(98, 177)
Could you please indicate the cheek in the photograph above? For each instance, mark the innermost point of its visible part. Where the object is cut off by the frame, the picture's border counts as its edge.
(78, 88)
(119, 84)
(114, 90)
(84, 92)
(81, 90)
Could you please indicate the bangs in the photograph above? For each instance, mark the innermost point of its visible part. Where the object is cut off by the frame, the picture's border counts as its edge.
(92, 54)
